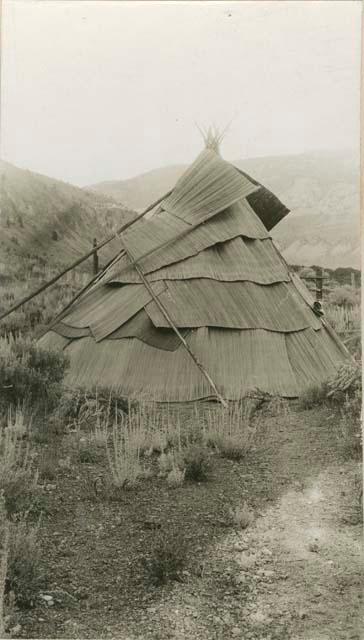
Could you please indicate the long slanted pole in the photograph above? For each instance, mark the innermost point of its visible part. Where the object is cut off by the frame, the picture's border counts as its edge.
(172, 325)
(82, 259)
(94, 281)
(163, 244)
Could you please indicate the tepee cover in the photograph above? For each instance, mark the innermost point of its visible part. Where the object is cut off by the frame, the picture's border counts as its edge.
(207, 256)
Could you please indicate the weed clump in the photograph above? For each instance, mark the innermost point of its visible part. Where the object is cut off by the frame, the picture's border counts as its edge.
(24, 578)
(176, 477)
(30, 375)
(4, 556)
(167, 558)
(197, 463)
(124, 458)
(166, 463)
(314, 396)
(18, 479)
(345, 398)
(241, 517)
(47, 465)
(89, 451)
(349, 427)
(231, 447)
(230, 431)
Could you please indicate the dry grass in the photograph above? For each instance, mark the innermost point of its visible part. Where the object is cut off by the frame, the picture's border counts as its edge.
(23, 574)
(229, 431)
(176, 477)
(166, 462)
(343, 319)
(197, 463)
(179, 437)
(4, 555)
(123, 456)
(167, 558)
(349, 426)
(241, 517)
(18, 480)
(17, 423)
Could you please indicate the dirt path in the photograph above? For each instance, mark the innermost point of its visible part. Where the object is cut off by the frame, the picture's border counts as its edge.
(295, 572)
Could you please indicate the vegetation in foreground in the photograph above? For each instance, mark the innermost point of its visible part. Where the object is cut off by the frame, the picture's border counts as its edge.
(49, 438)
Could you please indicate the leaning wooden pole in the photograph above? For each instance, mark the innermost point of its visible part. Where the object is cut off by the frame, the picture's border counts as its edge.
(163, 245)
(82, 259)
(95, 281)
(173, 326)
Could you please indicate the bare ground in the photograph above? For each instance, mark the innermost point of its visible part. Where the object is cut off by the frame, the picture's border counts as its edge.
(294, 573)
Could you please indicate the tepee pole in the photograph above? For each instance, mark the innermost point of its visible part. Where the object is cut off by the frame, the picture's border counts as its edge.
(82, 259)
(173, 326)
(131, 264)
(164, 244)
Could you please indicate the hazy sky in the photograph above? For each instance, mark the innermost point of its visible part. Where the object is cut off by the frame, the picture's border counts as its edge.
(97, 90)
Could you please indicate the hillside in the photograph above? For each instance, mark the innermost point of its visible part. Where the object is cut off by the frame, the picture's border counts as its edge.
(139, 192)
(50, 219)
(321, 189)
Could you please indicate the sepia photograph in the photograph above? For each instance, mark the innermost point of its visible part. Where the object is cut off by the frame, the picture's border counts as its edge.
(180, 320)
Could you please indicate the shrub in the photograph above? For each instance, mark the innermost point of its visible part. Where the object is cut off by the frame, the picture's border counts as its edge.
(347, 380)
(231, 447)
(344, 295)
(358, 491)
(18, 481)
(197, 463)
(23, 576)
(47, 429)
(99, 433)
(230, 431)
(47, 465)
(90, 451)
(176, 477)
(14, 324)
(353, 344)
(30, 375)
(167, 558)
(344, 318)
(16, 423)
(4, 555)
(157, 442)
(314, 396)
(345, 398)
(70, 404)
(349, 428)
(241, 517)
(124, 458)
(110, 398)
(166, 463)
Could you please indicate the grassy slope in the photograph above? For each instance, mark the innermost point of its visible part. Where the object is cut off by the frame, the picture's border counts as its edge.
(35, 209)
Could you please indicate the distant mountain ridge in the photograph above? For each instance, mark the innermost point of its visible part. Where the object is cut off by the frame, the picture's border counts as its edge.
(58, 221)
(321, 189)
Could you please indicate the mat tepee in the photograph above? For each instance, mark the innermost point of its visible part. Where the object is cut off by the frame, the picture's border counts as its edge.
(204, 270)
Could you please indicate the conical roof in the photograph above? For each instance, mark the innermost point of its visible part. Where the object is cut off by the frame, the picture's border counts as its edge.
(208, 258)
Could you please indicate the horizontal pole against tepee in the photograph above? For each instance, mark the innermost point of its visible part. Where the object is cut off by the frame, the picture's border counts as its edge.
(173, 326)
(82, 259)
